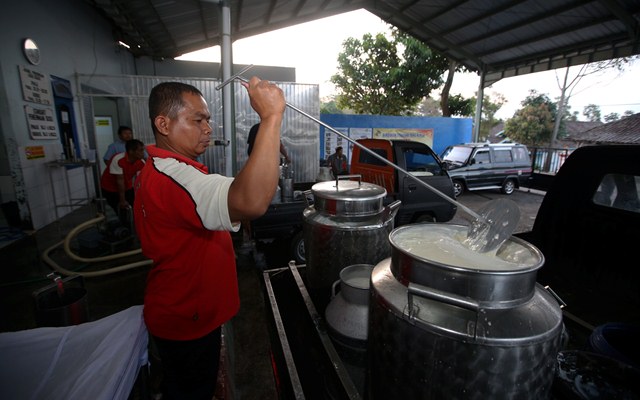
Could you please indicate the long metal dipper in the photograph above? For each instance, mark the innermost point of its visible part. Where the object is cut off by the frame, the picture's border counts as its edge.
(482, 226)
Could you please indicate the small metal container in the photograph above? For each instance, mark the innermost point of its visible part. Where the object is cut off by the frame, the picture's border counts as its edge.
(348, 312)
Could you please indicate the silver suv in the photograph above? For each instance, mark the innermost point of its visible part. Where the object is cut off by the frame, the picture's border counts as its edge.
(479, 166)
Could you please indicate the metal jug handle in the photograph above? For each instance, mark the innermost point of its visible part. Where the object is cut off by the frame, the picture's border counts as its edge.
(391, 210)
(333, 288)
(561, 302)
(349, 177)
(438, 295)
(308, 194)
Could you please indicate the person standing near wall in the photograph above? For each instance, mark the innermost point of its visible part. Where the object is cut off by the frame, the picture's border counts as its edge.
(183, 217)
(253, 132)
(124, 134)
(338, 162)
(116, 181)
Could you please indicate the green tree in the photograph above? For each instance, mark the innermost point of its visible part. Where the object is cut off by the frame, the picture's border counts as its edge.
(382, 76)
(329, 106)
(429, 107)
(533, 123)
(592, 112)
(460, 106)
(455, 105)
(611, 117)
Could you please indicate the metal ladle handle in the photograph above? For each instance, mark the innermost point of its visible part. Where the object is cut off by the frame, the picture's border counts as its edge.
(369, 151)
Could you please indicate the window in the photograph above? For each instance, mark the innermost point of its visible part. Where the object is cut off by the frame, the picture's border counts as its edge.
(482, 157)
(520, 154)
(456, 154)
(366, 158)
(619, 191)
(503, 155)
(421, 162)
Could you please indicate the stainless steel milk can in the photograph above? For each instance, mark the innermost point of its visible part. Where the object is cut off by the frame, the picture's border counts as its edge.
(347, 224)
(449, 324)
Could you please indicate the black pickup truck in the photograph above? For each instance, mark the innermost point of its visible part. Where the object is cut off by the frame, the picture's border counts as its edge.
(283, 221)
(587, 228)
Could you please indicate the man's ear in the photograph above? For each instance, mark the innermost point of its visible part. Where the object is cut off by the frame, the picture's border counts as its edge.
(162, 124)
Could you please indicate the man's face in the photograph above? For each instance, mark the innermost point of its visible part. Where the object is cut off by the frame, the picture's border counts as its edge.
(189, 133)
(126, 135)
(138, 154)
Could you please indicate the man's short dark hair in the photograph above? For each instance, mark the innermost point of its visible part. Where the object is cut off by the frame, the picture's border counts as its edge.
(123, 128)
(132, 145)
(166, 99)
(338, 148)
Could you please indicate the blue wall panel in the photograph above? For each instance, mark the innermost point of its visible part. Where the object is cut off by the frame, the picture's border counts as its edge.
(446, 131)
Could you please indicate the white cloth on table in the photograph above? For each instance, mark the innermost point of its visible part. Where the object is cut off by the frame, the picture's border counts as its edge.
(94, 360)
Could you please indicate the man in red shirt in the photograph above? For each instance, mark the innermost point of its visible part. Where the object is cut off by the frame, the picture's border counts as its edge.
(117, 179)
(183, 216)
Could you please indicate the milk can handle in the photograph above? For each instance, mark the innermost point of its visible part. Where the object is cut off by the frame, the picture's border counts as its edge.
(333, 288)
(435, 294)
(391, 210)
(561, 302)
(348, 177)
(308, 194)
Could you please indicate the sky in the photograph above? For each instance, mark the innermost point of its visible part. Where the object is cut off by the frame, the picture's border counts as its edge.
(312, 49)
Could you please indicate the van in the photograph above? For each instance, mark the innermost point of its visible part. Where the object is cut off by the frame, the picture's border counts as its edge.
(480, 166)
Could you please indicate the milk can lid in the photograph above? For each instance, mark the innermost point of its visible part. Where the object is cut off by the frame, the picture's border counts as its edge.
(348, 198)
(348, 190)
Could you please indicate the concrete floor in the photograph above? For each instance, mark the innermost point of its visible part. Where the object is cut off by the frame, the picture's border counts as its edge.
(247, 369)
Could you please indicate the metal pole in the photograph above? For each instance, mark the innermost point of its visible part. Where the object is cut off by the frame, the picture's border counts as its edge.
(478, 117)
(226, 55)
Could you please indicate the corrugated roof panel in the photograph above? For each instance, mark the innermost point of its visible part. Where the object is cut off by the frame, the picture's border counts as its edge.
(502, 37)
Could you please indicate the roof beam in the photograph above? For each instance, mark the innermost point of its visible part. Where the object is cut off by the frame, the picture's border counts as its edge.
(487, 14)
(520, 23)
(624, 16)
(537, 38)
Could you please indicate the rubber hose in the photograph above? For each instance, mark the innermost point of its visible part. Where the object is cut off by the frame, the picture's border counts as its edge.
(66, 242)
(63, 271)
(82, 227)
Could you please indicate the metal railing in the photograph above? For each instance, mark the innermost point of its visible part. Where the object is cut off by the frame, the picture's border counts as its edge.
(546, 160)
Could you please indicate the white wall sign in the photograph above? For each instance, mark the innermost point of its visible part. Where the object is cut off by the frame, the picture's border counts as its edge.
(41, 122)
(332, 140)
(36, 87)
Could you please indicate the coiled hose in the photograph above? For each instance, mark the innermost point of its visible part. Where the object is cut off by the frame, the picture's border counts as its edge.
(67, 248)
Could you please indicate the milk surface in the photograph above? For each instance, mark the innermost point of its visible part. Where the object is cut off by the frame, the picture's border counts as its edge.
(443, 244)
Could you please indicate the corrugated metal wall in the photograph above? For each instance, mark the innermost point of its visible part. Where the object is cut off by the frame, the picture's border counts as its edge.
(300, 135)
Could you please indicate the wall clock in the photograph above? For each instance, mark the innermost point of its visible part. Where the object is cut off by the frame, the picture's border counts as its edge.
(31, 51)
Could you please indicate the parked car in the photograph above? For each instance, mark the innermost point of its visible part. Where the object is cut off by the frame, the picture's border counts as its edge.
(480, 166)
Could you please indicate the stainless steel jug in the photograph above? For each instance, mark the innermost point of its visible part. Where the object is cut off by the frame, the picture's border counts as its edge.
(347, 224)
(475, 329)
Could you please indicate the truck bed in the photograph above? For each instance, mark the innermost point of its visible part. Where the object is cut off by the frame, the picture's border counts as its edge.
(590, 263)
